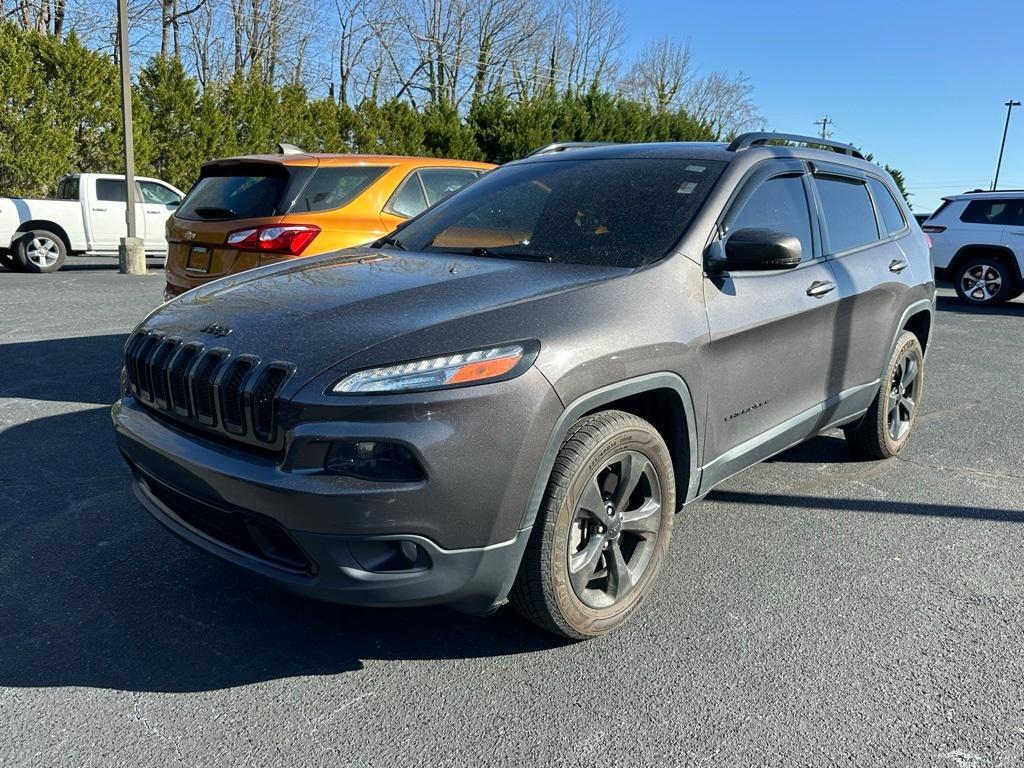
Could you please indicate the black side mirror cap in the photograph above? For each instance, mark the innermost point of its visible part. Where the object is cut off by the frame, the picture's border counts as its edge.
(761, 249)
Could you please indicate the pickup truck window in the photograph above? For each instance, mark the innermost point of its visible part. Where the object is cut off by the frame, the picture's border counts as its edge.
(68, 188)
(157, 194)
(111, 190)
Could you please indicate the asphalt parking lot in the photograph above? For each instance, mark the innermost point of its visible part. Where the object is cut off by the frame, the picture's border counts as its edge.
(816, 610)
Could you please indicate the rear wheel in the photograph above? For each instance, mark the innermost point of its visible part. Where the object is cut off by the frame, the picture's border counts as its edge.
(603, 529)
(40, 251)
(984, 281)
(885, 429)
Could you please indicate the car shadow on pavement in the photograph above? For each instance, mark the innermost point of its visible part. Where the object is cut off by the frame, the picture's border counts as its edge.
(93, 592)
(883, 506)
(83, 369)
(953, 304)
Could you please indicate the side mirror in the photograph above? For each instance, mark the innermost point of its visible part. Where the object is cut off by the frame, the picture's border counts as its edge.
(174, 203)
(758, 249)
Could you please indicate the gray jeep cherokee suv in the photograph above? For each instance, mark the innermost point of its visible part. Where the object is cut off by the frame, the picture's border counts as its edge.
(511, 396)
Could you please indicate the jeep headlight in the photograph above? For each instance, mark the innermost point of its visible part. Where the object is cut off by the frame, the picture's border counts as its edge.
(477, 366)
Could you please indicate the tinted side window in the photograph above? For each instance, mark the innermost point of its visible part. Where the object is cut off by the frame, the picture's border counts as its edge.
(332, 188)
(998, 212)
(888, 208)
(68, 189)
(849, 217)
(113, 190)
(779, 204)
(441, 182)
(409, 200)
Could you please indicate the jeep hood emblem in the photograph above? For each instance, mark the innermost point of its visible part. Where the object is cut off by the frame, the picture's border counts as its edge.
(215, 329)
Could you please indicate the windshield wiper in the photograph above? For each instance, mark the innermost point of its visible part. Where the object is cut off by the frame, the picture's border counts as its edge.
(394, 242)
(214, 212)
(487, 254)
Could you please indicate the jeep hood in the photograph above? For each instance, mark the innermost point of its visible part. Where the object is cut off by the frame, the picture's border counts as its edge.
(317, 311)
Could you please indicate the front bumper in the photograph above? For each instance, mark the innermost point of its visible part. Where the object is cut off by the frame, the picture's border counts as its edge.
(474, 580)
(341, 539)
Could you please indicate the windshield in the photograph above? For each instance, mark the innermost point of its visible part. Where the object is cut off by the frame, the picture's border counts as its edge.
(607, 212)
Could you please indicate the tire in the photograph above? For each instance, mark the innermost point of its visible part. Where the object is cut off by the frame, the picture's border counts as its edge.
(984, 281)
(40, 251)
(586, 511)
(886, 428)
(7, 260)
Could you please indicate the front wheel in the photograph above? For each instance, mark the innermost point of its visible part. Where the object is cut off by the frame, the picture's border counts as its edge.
(603, 528)
(885, 429)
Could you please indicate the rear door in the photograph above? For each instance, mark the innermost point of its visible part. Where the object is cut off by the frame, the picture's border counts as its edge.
(107, 214)
(872, 274)
(769, 355)
(1013, 235)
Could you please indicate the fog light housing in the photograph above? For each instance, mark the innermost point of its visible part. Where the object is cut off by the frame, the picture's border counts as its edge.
(375, 460)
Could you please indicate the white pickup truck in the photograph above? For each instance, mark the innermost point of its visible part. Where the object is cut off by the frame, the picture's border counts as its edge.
(86, 216)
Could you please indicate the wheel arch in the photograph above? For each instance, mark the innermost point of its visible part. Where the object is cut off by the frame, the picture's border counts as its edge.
(1000, 252)
(663, 399)
(50, 226)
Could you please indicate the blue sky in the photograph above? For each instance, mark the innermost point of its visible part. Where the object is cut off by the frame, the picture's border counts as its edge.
(919, 84)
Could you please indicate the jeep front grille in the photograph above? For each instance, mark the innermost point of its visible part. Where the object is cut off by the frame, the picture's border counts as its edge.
(207, 387)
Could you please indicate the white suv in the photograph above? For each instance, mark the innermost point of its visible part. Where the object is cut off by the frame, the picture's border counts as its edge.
(978, 244)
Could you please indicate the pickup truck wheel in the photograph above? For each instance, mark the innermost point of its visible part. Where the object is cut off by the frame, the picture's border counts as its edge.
(40, 251)
(885, 429)
(603, 528)
(7, 260)
(984, 281)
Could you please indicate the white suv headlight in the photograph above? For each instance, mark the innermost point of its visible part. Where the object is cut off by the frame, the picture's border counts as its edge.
(475, 367)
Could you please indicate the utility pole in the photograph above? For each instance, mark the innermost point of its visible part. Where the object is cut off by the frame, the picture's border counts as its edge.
(824, 126)
(131, 253)
(1009, 108)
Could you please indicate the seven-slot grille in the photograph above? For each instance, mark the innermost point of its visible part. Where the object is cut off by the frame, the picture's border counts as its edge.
(235, 394)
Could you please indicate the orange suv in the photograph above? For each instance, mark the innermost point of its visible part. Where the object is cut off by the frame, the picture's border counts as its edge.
(245, 212)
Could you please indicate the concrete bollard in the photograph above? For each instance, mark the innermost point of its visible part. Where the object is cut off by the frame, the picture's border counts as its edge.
(131, 255)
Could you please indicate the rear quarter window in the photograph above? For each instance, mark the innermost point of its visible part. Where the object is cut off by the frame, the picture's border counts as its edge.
(849, 215)
(332, 188)
(888, 208)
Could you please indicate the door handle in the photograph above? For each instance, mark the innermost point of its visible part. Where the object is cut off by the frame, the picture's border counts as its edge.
(99, 209)
(820, 287)
(153, 210)
(897, 265)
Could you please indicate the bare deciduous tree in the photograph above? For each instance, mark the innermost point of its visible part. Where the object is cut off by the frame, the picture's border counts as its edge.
(662, 73)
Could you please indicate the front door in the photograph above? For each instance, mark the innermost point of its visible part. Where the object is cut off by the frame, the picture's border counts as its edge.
(158, 203)
(769, 353)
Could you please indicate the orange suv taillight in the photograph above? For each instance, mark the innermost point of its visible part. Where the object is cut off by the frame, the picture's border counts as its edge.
(288, 239)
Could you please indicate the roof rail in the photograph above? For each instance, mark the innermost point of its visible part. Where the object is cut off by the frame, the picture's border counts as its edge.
(562, 146)
(758, 138)
(991, 191)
